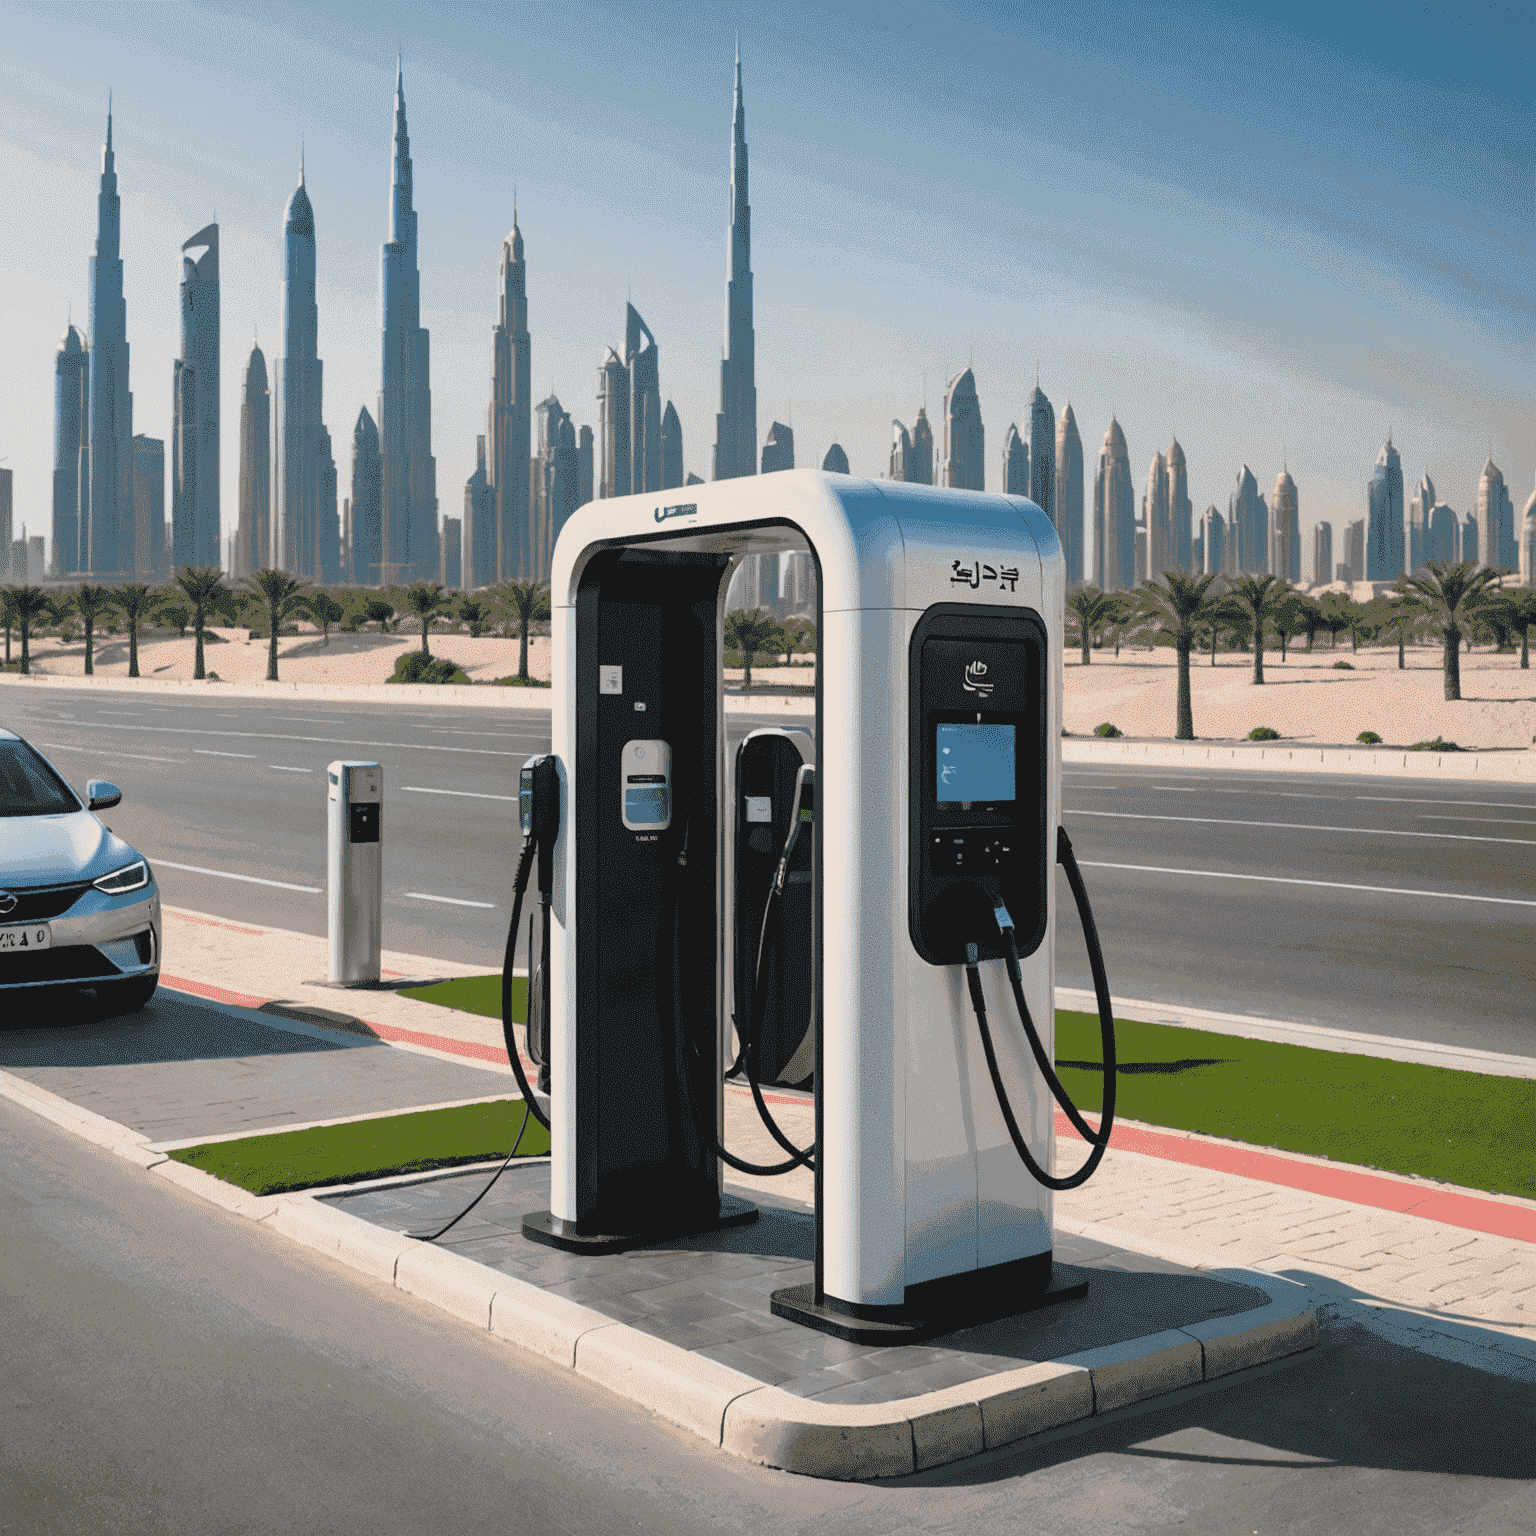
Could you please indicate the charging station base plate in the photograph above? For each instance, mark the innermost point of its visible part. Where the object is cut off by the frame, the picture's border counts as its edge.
(798, 1304)
(547, 1228)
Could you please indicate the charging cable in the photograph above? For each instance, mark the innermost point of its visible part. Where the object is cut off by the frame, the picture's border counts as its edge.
(1098, 1140)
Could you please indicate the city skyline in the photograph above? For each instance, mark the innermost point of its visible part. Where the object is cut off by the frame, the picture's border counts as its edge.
(854, 410)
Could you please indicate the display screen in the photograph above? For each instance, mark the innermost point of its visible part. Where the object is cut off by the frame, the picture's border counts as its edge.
(975, 763)
(647, 800)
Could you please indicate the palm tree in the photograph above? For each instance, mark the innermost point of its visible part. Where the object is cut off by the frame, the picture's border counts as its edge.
(205, 591)
(285, 597)
(471, 612)
(1259, 597)
(31, 605)
(1449, 595)
(8, 615)
(1092, 608)
(529, 602)
(1519, 611)
(1335, 608)
(1397, 618)
(425, 599)
(750, 630)
(133, 602)
(1178, 605)
(92, 603)
(1290, 618)
(325, 611)
(377, 611)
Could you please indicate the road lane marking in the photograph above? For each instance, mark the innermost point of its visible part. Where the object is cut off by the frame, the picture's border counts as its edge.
(140, 757)
(58, 746)
(206, 752)
(468, 794)
(225, 874)
(281, 768)
(1493, 805)
(1491, 821)
(1327, 885)
(1301, 826)
(452, 901)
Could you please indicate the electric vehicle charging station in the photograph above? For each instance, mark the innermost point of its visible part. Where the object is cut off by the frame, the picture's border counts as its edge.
(354, 898)
(933, 829)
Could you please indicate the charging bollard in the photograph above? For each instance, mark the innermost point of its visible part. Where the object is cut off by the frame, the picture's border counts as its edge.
(355, 871)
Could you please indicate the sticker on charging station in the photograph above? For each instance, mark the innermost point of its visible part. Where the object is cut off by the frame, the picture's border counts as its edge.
(610, 679)
(975, 763)
(646, 772)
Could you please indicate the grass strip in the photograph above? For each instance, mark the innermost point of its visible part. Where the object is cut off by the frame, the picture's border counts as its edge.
(1465, 1128)
(369, 1149)
(474, 994)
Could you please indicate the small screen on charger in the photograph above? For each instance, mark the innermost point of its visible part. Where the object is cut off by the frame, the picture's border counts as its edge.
(975, 763)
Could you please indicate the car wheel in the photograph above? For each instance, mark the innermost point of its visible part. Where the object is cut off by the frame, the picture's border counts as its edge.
(126, 996)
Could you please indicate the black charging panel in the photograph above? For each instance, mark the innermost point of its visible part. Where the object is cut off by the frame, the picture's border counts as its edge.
(647, 923)
(978, 674)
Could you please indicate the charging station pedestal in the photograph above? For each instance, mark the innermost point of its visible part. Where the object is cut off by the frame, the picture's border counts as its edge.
(354, 898)
(939, 621)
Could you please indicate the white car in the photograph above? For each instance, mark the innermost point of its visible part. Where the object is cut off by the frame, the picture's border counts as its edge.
(78, 906)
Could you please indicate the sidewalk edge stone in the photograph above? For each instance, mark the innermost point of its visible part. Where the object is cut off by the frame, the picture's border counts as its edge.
(449, 1281)
(548, 1325)
(850, 1442)
(1140, 1368)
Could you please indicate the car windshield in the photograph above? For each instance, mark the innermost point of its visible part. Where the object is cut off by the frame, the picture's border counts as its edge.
(28, 786)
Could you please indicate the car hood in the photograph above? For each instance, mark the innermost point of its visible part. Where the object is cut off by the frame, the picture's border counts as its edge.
(54, 850)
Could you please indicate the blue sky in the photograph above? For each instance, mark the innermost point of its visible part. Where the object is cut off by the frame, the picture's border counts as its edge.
(1276, 235)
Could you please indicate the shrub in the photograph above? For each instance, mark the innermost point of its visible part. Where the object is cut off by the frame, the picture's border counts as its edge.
(1263, 733)
(519, 682)
(213, 677)
(1343, 666)
(1106, 729)
(1065, 732)
(413, 667)
(1436, 746)
(1370, 738)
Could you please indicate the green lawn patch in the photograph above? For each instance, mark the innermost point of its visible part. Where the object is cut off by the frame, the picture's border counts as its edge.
(369, 1149)
(474, 994)
(1463, 1127)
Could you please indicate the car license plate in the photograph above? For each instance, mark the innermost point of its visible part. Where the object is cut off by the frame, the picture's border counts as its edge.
(25, 938)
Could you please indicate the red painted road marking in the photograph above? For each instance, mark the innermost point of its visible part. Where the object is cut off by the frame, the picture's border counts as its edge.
(1347, 1184)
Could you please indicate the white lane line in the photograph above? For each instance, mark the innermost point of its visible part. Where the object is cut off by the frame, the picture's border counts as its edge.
(1176, 789)
(1299, 826)
(1491, 821)
(224, 874)
(452, 901)
(467, 794)
(1493, 805)
(140, 757)
(1292, 794)
(1327, 885)
(280, 768)
(206, 752)
(58, 746)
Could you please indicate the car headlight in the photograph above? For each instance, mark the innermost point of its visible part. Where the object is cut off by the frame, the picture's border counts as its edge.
(131, 877)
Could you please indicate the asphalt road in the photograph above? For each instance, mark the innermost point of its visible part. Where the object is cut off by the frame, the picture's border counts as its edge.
(169, 1367)
(1396, 906)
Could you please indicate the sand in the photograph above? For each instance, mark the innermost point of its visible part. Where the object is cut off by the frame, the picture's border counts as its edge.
(1304, 698)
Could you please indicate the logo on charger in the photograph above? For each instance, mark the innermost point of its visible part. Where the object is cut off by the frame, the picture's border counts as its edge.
(974, 673)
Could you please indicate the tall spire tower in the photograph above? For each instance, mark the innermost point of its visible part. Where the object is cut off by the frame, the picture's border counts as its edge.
(111, 480)
(736, 424)
(405, 390)
(509, 428)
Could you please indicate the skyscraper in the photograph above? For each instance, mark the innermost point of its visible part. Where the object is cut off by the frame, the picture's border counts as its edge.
(1248, 526)
(964, 435)
(367, 502)
(1069, 494)
(509, 423)
(613, 426)
(1527, 550)
(405, 390)
(1443, 540)
(1154, 517)
(453, 553)
(195, 416)
(5, 524)
(1469, 544)
(299, 473)
(1420, 510)
(328, 524)
(779, 450)
(1180, 511)
(1322, 554)
(736, 424)
(152, 559)
(253, 535)
(1042, 456)
(1015, 463)
(642, 361)
(478, 534)
(1114, 515)
(111, 428)
(836, 461)
(1355, 549)
(554, 480)
(1285, 543)
(1384, 535)
(901, 452)
(71, 452)
(1213, 541)
(671, 449)
(920, 469)
(1495, 520)
(583, 466)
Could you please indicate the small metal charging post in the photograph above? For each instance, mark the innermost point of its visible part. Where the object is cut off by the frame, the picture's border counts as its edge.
(355, 871)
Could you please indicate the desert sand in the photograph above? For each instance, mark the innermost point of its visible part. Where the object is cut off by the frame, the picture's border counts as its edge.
(1305, 697)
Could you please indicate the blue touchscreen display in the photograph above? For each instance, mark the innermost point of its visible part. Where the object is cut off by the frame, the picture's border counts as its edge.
(975, 763)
